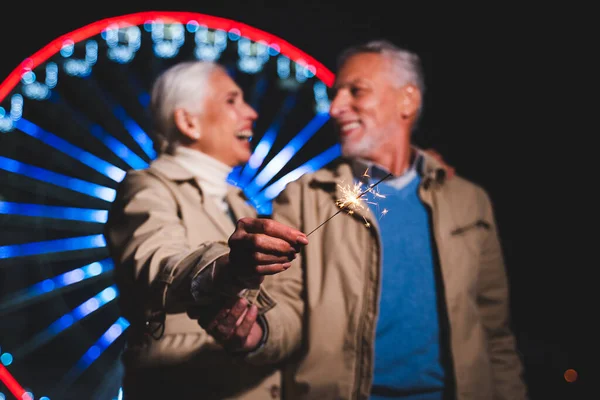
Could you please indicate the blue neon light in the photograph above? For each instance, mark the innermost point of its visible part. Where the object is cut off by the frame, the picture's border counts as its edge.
(144, 99)
(310, 166)
(40, 210)
(136, 131)
(279, 161)
(118, 148)
(81, 155)
(94, 351)
(67, 320)
(71, 277)
(259, 90)
(83, 310)
(52, 246)
(265, 144)
(102, 343)
(109, 141)
(68, 182)
(260, 152)
(55, 284)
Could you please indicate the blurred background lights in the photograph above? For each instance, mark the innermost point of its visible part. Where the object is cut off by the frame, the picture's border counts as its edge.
(122, 42)
(570, 375)
(51, 74)
(16, 107)
(67, 206)
(283, 67)
(234, 34)
(91, 51)
(28, 77)
(191, 26)
(274, 49)
(252, 55)
(6, 359)
(67, 48)
(108, 294)
(167, 38)
(77, 68)
(209, 43)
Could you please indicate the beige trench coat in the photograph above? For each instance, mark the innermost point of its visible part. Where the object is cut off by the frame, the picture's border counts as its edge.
(327, 302)
(161, 222)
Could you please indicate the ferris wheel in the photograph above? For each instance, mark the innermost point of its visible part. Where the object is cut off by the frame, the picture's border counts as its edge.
(73, 120)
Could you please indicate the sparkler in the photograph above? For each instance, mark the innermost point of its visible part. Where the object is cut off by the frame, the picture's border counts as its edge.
(351, 199)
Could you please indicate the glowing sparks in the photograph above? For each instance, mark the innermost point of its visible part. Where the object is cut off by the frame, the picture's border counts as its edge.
(352, 199)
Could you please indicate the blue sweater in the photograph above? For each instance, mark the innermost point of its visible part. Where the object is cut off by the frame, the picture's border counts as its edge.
(407, 345)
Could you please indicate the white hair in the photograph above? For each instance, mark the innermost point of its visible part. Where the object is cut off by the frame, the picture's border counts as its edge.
(184, 85)
(405, 65)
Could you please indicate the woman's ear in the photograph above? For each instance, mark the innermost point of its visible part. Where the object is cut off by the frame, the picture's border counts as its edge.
(187, 124)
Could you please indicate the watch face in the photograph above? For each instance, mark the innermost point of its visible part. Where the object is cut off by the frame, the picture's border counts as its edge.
(73, 120)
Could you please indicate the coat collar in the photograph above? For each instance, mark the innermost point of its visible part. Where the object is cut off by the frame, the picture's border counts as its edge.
(341, 171)
(173, 171)
(340, 174)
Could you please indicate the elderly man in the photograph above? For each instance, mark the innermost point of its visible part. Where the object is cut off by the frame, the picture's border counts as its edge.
(403, 295)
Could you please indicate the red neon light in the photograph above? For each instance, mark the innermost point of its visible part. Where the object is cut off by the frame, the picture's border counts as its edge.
(292, 52)
(11, 383)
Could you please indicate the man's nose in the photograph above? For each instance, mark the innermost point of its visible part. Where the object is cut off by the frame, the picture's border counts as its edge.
(338, 105)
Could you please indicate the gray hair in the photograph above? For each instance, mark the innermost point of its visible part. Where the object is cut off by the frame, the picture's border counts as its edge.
(184, 85)
(406, 65)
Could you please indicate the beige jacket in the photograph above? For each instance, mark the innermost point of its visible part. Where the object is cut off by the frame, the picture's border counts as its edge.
(161, 225)
(327, 301)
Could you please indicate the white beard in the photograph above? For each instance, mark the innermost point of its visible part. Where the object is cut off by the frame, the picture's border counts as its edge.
(361, 148)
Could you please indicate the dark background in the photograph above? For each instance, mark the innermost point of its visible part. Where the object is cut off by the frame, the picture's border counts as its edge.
(496, 108)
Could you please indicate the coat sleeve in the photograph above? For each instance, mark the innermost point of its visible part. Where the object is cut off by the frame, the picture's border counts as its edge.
(284, 321)
(147, 241)
(493, 302)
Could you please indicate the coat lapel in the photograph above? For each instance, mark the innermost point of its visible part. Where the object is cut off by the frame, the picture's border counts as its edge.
(342, 176)
(238, 204)
(220, 218)
(169, 168)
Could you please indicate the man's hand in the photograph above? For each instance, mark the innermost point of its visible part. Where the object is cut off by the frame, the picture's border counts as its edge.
(261, 246)
(236, 328)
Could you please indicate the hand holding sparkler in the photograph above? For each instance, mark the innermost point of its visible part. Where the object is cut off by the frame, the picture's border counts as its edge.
(262, 246)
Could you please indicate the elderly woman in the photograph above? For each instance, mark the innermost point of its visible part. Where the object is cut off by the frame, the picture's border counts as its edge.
(161, 229)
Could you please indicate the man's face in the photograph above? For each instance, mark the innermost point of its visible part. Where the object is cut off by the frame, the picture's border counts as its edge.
(226, 122)
(366, 106)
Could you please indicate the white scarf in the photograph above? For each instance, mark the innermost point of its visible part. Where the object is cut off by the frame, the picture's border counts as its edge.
(211, 173)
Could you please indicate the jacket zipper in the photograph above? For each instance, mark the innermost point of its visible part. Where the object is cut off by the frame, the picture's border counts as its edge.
(362, 317)
(432, 210)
